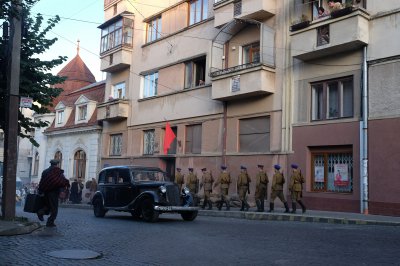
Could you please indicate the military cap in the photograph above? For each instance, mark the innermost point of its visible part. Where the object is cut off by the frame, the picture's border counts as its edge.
(294, 166)
(277, 166)
(203, 169)
(223, 167)
(260, 166)
(178, 169)
(54, 162)
(243, 167)
(190, 169)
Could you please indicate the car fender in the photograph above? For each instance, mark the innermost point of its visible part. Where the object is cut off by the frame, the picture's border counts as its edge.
(97, 195)
(146, 194)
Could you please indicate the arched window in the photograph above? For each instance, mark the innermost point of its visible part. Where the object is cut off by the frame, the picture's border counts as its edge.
(58, 156)
(80, 164)
(36, 164)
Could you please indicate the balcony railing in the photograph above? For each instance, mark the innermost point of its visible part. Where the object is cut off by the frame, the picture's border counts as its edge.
(113, 110)
(233, 69)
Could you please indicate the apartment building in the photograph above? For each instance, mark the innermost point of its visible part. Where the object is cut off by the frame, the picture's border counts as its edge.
(345, 104)
(211, 69)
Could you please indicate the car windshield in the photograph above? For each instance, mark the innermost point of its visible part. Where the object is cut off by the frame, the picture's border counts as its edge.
(141, 175)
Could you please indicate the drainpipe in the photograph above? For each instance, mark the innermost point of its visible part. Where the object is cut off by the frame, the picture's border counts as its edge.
(224, 133)
(364, 139)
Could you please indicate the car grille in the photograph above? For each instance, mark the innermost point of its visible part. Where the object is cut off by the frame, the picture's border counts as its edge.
(173, 195)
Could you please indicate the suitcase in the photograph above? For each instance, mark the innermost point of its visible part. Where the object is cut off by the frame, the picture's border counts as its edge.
(33, 203)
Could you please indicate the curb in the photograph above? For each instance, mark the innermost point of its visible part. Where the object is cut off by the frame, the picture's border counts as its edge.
(21, 229)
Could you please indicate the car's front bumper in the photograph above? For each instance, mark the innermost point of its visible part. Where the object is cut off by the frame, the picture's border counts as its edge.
(175, 208)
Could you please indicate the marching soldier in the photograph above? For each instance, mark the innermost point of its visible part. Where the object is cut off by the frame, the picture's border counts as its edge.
(193, 184)
(179, 179)
(296, 187)
(207, 180)
(277, 189)
(243, 184)
(261, 187)
(225, 180)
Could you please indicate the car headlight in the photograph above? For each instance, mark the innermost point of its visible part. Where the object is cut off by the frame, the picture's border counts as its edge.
(163, 189)
(186, 190)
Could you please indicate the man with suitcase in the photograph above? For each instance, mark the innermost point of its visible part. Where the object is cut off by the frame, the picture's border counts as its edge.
(52, 180)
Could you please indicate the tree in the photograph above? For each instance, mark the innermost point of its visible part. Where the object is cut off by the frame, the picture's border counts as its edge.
(36, 81)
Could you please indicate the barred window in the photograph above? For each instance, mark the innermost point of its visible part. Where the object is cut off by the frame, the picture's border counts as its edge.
(332, 172)
(254, 134)
(193, 139)
(148, 142)
(116, 144)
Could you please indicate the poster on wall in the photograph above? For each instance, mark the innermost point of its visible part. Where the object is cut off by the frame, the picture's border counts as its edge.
(319, 174)
(341, 175)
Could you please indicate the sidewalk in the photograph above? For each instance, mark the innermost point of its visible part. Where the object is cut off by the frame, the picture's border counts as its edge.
(8, 228)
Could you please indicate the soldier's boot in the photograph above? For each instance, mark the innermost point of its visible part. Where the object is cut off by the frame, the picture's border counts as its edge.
(241, 209)
(293, 207)
(258, 203)
(262, 205)
(219, 205)
(303, 207)
(246, 206)
(271, 207)
(228, 206)
(286, 207)
(204, 204)
(209, 204)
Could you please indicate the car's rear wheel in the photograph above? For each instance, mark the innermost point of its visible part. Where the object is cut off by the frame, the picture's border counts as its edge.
(135, 214)
(189, 216)
(98, 208)
(148, 213)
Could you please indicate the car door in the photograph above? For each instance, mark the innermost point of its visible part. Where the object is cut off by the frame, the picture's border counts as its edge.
(109, 188)
(124, 189)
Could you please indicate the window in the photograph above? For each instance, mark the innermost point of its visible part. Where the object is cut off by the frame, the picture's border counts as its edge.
(80, 164)
(332, 99)
(323, 35)
(36, 164)
(58, 156)
(115, 9)
(154, 28)
(198, 11)
(251, 53)
(82, 112)
(195, 73)
(332, 171)
(117, 34)
(148, 142)
(193, 139)
(150, 85)
(237, 8)
(60, 117)
(119, 90)
(116, 144)
(254, 134)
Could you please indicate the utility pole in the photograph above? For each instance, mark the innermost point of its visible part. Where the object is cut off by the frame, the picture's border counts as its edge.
(11, 129)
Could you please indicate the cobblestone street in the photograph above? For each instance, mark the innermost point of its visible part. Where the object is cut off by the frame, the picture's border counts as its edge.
(206, 241)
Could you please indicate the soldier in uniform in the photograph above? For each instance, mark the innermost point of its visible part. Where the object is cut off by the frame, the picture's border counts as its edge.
(243, 184)
(179, 178)
(296, 187)
(207, 180)
(192, 183)
(225, 180)
(277, 189)
(261, 187)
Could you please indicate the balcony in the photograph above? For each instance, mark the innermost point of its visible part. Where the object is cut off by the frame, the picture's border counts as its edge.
(227, 10)
(331, 36)
(242, 81)
(113, 110)
(116, 60)
(108, 3)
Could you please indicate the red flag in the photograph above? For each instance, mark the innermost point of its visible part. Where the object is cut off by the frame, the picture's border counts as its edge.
(169, 137)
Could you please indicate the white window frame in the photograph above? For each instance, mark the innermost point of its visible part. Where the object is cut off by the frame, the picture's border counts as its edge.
(116, 144)
(196, 16)
(119, 90)
(148, 142)
(153, 29)
(82, 112)
(60, 117)
(150, 85)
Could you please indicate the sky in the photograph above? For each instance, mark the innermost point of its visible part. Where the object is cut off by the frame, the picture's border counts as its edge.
(69, 30)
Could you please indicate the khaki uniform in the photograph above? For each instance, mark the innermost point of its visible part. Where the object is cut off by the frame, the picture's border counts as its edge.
(296, 187)
(207, 180)
(243, 187)
(179, 180)
(261, 189)
(277, 187)
(192, 183)
(225, 180)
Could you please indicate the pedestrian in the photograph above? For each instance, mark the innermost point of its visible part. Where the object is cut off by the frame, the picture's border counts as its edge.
(76, 192)
(261, 187)
(179, 178)
(243, 184)
(192, 183)
(277, 189)
(92, 188)
(225, 180)
(50, 183)
(207, 181)
(296, 187)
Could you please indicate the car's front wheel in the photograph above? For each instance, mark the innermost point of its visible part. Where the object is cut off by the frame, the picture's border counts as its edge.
(148, 213)
(189, 216)
(98, 208)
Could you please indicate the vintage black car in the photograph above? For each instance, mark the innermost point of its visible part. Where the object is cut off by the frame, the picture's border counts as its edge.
(142, 191)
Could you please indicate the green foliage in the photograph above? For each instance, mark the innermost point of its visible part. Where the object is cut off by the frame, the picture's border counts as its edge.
(36, 81)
